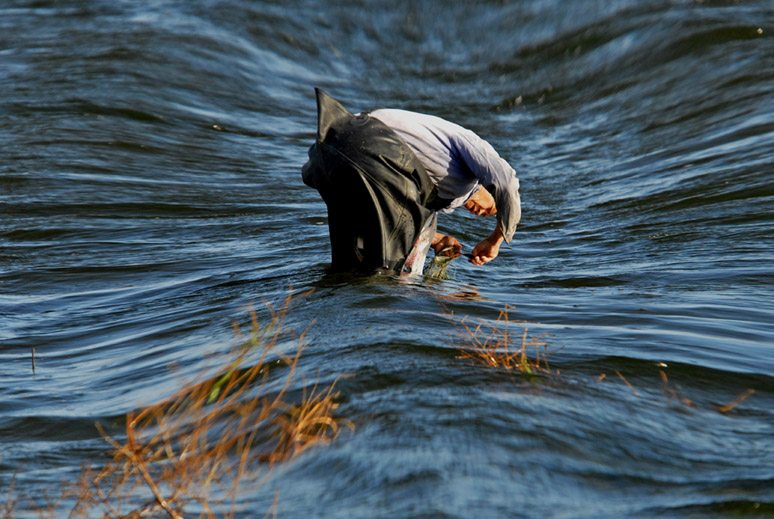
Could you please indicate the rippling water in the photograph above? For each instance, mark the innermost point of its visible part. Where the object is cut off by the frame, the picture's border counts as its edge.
(150, 189)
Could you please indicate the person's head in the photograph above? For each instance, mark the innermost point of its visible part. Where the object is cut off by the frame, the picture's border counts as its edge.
(481, 203)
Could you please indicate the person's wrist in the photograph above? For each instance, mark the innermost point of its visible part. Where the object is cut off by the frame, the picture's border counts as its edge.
(497, 236)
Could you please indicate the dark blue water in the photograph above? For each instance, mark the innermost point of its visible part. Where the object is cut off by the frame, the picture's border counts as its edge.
(150, 189)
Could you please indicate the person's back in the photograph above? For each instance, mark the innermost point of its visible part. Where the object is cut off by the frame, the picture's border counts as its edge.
(378, 194)
(383, 175)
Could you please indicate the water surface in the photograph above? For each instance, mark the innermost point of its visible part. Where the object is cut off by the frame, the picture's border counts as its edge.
(150, 189)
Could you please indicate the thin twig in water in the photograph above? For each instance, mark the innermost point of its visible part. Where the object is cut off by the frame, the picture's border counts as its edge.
(735, 402)
(634, 391)
(272, 512)
(131, 452)
(10, 503)
(673, 393)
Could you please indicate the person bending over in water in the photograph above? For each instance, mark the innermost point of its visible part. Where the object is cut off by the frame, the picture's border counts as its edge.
(385, 174)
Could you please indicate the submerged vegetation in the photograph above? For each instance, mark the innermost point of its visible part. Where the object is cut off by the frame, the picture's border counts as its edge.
(495, 346)
(191, 451)
(205, 439)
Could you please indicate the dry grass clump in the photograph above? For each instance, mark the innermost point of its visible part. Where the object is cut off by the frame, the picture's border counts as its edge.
(495, 347)
(195, 447)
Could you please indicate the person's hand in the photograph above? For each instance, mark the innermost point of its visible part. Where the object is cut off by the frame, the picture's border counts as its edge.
(481, 203)
(487, 249)
(445, 245)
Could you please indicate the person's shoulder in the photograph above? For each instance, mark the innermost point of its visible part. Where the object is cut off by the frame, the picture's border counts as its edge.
(396, 113)
(407, 117)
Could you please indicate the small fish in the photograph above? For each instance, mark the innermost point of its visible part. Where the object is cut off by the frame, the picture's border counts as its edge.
(441, 261)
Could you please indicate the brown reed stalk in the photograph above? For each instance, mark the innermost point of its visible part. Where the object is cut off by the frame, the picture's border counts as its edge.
(197, 445)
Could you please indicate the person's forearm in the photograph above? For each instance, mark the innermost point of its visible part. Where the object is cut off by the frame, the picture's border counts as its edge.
(497, 238)
(488, 248)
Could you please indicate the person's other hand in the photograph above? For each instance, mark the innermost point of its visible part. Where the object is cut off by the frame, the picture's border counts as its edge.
(445, 245)
(487, 249)
(481, 203)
